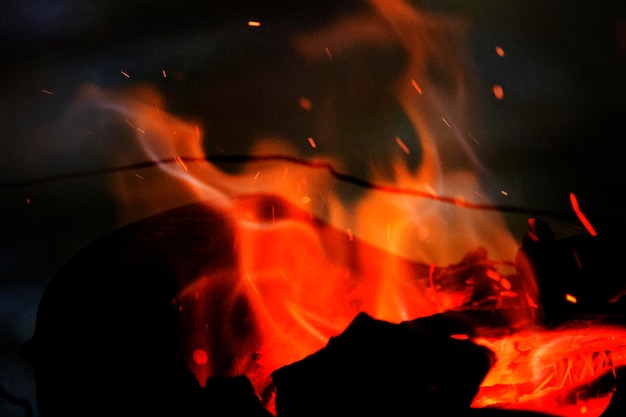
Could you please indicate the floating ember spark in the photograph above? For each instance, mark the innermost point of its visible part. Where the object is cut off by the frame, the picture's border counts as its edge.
(254, 23)
(416, 86)
(474, 139)
(498, 91)
(581, 216)
(47, 92)
(200, 357)
(312, 142)
(182, 164)
(305, 103)
(402, 145)
(499, 51)
(125, 74)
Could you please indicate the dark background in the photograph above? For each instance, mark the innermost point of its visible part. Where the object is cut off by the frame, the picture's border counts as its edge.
(559, 129)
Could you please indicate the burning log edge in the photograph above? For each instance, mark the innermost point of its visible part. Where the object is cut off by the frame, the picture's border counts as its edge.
(105, 338)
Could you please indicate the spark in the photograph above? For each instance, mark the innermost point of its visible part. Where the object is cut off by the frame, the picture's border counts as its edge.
(140, 130)
(257, 175)
(48, 92)
(305, 103)
(350, 236)
(499, 51)
(498, 92)
(312, 142)
(139, 176)
(446, 122)
(182, 164)
(571, 298)
(28, 200)
(402, 145)
(200, 357)
(417, 87)
(254, 23)
(473, 138)
(328, 53)
(164, 73)
(125, 74)
(583, 219)
(460, 336)
(504, 193)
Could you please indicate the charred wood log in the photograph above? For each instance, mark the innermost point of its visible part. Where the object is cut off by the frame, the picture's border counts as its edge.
(576, 277)
(380, 368)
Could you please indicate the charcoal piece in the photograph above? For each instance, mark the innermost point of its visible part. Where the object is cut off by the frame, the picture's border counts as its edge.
(231, 396)
(575, 277)
(106, 336)
(380, 368)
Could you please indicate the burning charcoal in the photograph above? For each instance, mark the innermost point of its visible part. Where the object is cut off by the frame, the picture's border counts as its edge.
(575, 276)
(377, 367)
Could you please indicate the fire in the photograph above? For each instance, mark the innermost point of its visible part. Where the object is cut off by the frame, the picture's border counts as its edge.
(314, 247)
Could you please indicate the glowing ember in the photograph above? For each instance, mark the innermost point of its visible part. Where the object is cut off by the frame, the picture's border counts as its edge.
(200, 357)
(555, 370)
(581, 215)
(498, 91)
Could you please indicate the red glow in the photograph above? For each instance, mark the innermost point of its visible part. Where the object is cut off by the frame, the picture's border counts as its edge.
(583, 219)
(200, 357)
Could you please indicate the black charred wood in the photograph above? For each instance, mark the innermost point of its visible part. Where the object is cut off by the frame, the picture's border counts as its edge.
(576, 277)
(380, 368)
(617, 406)
(106, 336)
(231, 396)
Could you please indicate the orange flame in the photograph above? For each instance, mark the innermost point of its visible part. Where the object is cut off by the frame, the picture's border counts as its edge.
(311, 252)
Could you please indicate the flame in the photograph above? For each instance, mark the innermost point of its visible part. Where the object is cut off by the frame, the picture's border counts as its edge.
(311, 252)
